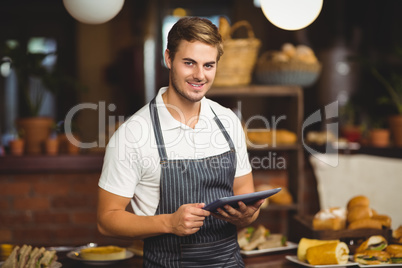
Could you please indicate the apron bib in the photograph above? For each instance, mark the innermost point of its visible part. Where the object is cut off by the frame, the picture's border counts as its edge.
(194, 181)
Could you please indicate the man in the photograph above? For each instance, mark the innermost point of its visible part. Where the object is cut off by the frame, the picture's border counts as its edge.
(174, 156)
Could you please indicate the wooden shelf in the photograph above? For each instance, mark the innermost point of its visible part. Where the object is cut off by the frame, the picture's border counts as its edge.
(292, 147)
(51, 164)
(254, 90)
(275, 101)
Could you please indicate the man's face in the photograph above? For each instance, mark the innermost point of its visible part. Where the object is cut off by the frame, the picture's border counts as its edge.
(193, 69)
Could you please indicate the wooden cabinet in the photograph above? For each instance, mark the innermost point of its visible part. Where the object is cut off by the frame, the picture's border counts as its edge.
(280, 107)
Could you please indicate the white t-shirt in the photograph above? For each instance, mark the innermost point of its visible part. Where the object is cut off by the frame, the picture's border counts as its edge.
(131, 164)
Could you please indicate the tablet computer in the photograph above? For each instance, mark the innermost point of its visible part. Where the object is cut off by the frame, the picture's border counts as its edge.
(245, 198)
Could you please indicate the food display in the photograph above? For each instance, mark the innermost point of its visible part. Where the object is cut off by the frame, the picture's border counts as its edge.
(27, 256)
(373, 251)
(105, 253)
(259, 237)
(357, 215)
(361, 215)
(290, 65)
(271, 137)
(376, 250)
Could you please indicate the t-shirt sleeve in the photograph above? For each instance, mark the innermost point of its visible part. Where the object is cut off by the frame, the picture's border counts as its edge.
(120, 172)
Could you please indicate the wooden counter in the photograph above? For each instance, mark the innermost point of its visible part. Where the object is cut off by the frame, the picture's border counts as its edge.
(270, 260)
(62, 163)
(277, 260)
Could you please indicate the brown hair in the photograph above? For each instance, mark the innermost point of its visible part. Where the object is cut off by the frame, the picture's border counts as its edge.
(194, 29)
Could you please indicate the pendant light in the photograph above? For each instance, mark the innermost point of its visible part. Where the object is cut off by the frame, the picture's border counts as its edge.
(291, 14)
(93, 11)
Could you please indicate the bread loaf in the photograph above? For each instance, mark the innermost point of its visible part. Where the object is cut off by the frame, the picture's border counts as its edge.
(330, 219)
(328, 253)
(384, 219)
(359, 212)
(365, 224)
(359, 200)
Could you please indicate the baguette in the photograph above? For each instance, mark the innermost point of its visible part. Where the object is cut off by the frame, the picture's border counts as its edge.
(306, 243)
(328, 253)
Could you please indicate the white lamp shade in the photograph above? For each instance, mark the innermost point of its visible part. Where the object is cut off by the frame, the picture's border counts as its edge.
(93, 11)
(291, 14)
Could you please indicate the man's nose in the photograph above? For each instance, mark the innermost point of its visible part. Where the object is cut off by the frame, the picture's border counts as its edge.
(199, 73)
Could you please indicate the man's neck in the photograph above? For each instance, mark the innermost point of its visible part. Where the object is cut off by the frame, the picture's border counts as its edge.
(182, 110)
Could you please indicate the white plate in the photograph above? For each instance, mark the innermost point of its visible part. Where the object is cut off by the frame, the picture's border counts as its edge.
(75, 256)
(55, 265)
(382, 265)
(289, 245)
(296, 260)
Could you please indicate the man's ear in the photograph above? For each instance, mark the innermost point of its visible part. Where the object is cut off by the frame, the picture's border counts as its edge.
(168, 61)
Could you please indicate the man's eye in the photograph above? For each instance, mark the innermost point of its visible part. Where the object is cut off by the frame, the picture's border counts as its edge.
(209, 66)
(189, 63)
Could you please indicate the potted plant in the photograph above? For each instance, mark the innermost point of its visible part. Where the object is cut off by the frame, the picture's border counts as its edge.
(350, 129)
(17, 144)
(387, 73)
(379, 134)
(29, 67)
(394, 90)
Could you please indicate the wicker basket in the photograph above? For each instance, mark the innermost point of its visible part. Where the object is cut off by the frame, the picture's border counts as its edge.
(292, 72)
(236, 65)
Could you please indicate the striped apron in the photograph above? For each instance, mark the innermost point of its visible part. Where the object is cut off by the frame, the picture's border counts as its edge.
(194, 181)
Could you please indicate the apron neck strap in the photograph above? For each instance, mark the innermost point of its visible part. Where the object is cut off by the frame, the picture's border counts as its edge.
(157, 129)
(158, 133)
(223, 130)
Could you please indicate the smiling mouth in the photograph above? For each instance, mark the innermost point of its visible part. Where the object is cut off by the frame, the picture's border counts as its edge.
(196, 85)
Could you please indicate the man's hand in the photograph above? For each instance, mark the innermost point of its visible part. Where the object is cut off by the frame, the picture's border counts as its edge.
(242, 216)
(188, 219)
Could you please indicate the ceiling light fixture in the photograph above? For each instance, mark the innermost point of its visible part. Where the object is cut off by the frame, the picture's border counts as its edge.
(93, 11)
(291, 14)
